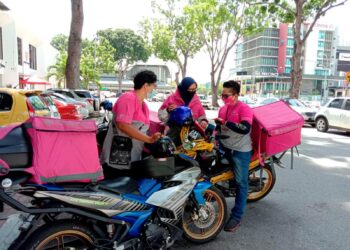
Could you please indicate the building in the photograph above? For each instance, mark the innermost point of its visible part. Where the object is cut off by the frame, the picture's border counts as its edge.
(23, 55)
(162, 71)
(263, 61)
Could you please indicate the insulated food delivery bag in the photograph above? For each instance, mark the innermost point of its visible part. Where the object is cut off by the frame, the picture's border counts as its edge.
(63, 150)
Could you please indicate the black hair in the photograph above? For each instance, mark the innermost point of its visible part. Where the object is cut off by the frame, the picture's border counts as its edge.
(143, 77)
(233, 85)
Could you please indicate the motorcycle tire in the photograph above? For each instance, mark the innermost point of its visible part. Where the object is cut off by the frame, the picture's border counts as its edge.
(51, 236)
(201, 230)
(269, 181)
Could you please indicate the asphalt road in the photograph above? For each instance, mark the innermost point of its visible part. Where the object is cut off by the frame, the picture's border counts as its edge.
(309, 207)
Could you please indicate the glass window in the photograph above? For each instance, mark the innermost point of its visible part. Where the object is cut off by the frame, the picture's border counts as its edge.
(36, 102)
(19, 51)
(83, 94)
(32, 57)
(347, 104)
(321, 35)
(336, 103)
(320, 44)
(5, 102)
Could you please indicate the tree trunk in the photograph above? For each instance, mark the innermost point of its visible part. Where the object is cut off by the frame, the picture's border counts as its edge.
(214, 88)
(297, 71)
(74, 45)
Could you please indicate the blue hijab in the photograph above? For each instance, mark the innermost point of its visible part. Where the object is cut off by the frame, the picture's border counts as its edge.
(183, 87)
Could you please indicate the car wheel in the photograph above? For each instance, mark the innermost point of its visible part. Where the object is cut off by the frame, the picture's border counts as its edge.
(322, 124)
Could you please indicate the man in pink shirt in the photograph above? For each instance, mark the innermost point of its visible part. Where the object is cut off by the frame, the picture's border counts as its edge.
(236, 120)
(130, 120)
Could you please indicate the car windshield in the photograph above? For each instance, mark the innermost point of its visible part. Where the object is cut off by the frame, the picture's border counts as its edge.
(202, 97)
(83, 94)
(49, 100)
(36, 102)
(295, 103)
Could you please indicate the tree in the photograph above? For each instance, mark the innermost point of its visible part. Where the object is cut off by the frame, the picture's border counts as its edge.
(129, 48)
(299, 12)
(74, 45)
(221, 24)
(172, 37)
(96, 58)
(59, 69)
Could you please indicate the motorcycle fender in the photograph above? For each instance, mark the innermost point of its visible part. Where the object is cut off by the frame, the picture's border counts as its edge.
(198, 190)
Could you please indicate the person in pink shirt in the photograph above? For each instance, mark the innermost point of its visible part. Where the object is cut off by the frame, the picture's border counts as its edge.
(185, 95)
(236, 118)
(130, 124)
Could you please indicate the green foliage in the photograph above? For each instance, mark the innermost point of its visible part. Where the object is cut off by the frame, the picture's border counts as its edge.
(172, 37)
(58, 70)
(96, 58)
(60, 42)
(128, 45)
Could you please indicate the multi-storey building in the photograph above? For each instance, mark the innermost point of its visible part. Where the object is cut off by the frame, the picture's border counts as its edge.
(263, 61)
(24, 56)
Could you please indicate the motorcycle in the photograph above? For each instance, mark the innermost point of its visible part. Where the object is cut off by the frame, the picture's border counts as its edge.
(150, 209)
(203, 146)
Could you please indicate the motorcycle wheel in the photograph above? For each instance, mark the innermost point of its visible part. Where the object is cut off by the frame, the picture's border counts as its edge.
(268, 181)
(198, 229)
(62, 235)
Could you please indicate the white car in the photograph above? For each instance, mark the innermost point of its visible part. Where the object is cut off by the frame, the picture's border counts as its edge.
(334, 114)
(307, 112)
(206, 103)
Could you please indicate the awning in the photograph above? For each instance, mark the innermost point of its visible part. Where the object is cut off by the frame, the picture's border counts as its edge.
(33, 80)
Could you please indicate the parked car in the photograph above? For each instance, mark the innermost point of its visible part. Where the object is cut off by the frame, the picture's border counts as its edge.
(334, 114)
(50, 103)
(206, 103)
(307, 112)
(264, 101)
(17, 105)
(80, 105)
(86, 94)
(71, 93)
(67, 111)
(247, 100)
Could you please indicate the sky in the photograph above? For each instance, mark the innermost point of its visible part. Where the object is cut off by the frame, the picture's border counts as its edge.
(50, 17)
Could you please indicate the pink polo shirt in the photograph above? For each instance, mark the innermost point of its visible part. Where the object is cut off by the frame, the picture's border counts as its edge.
(129, 109)
(236, 113)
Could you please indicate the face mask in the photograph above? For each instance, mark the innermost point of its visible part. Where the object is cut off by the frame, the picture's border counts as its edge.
(149, 95)
(227, 100)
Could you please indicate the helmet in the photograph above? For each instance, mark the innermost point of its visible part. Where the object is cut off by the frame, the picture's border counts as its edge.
(180, 116)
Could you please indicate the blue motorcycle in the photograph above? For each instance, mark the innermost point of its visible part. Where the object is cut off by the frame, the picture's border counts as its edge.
(151, 208)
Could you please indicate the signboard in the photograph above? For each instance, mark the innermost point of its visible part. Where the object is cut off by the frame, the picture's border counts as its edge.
(344, 57)
(347, 77)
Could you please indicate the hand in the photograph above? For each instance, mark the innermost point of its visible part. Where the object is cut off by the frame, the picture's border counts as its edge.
(155, 137)
(203, 124)
(171, 107)
(219, 121)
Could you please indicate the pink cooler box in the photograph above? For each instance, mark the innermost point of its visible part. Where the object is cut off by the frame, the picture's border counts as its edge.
(276, 128)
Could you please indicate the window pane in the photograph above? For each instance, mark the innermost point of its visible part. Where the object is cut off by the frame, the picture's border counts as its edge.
(5, 102)
(347, 104)
(337, 103)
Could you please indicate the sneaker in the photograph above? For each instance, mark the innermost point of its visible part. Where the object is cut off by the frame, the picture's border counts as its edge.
(232, 225)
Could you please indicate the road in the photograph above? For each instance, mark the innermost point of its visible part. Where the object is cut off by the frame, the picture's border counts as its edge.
(309, 207)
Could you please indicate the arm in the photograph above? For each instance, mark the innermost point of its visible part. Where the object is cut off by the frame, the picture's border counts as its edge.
(240, 128)
(136, 134)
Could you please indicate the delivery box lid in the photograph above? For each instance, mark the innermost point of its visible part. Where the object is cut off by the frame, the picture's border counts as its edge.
(277, 118)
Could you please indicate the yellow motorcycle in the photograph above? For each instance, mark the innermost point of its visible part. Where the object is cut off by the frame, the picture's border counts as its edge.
(203, 147)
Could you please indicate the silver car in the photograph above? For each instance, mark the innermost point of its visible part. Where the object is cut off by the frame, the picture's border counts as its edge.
(334, 114)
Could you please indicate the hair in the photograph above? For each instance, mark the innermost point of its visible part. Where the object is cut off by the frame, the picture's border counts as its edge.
(233, 85)
(143, 77)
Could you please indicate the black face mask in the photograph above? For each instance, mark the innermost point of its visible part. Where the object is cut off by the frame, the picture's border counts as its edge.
(187, 96)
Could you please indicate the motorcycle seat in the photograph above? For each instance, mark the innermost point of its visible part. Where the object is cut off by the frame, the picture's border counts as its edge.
(120, 185)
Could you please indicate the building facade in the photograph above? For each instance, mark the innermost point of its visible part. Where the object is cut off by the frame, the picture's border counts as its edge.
(23, 55)
(263, 61)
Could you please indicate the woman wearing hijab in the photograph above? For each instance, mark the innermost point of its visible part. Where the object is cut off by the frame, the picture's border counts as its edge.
(185, 95)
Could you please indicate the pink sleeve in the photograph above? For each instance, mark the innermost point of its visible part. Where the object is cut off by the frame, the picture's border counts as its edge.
(246, 114)
(124, 110)
(223, 112)
(165, 103)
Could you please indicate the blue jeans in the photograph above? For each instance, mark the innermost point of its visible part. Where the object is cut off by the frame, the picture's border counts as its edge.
(241, 162)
